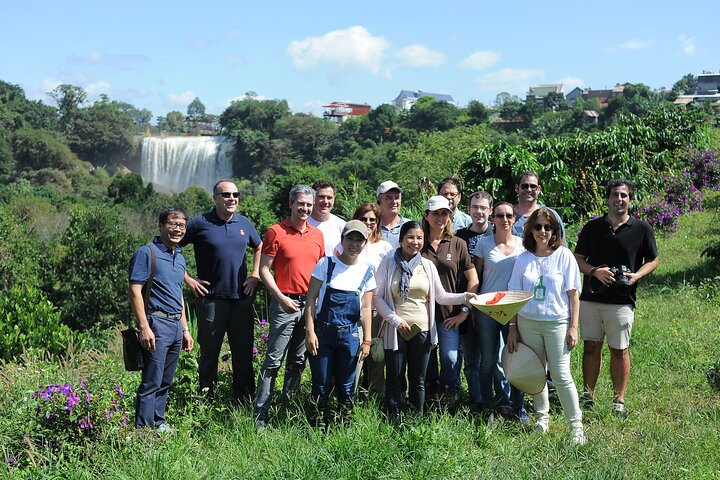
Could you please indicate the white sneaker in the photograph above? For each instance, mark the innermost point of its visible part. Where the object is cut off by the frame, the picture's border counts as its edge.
(540, 428)
(578, 436)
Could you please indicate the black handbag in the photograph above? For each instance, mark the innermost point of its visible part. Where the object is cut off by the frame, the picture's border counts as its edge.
(133, 354)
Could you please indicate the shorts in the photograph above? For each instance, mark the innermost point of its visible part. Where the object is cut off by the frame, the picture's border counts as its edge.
(600, 320)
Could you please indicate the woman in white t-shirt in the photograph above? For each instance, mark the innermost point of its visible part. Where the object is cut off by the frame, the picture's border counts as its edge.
(343, 288)
(548, 322)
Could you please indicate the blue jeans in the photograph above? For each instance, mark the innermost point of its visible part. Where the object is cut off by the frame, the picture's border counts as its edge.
(450, 360)
(287, 336)
(471, 353)
(334, 363)
(490, 331)
(159, 371)
(415, 355)
(215, 317)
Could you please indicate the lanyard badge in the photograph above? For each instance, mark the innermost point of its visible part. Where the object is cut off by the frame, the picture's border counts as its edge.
(539, 290)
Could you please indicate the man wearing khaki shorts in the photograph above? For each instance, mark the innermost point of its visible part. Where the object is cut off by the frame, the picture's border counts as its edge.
(614, 252)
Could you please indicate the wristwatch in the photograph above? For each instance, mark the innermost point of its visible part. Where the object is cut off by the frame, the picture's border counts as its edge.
(465, 309)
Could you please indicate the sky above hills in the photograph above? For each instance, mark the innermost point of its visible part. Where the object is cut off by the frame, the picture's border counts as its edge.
(160, 55)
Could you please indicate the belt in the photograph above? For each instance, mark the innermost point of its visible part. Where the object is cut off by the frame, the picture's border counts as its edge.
(160, 313)
(296, 296)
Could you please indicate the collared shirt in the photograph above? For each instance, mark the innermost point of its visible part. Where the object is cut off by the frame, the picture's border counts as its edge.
(452, 260)
(295, 254)
(220, 251)
(166, 288)
(392, 234)
(521, 220)
(632, 245)
(460, 220)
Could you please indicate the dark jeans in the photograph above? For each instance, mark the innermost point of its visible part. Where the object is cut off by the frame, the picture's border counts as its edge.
(334, 363)
(490, 331)
(217, 316)
(415, 354)
(159, 371)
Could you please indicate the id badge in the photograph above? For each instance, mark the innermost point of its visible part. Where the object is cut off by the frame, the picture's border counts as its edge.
(539, 290)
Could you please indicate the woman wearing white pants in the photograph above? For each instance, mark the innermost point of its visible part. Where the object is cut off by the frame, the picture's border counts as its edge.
(548, 323)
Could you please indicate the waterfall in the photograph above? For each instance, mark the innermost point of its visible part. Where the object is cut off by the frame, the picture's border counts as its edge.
(175, 163)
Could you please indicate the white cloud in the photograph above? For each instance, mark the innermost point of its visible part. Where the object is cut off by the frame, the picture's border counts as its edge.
(511, 80)
(688, 44)
(480, 60)
(119, 62)
(96, 88)
(419, 56)
(569, 83)
(353, 47)
(236, 59)
(635, 44)
(180, 99)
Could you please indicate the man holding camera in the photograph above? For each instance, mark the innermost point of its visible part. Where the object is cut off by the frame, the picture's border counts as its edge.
(614, 252)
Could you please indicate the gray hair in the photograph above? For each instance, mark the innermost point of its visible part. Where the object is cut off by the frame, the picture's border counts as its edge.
(300, 190)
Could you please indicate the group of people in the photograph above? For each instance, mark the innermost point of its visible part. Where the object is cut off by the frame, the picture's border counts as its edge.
(336, 286)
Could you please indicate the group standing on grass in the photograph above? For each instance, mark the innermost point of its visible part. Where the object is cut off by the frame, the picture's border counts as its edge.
(337, 285)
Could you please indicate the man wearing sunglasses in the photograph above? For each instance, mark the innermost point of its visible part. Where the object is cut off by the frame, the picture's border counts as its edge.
(528, 189)
(225, 293)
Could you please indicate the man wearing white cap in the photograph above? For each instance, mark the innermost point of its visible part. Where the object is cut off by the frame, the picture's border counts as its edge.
(389, 197)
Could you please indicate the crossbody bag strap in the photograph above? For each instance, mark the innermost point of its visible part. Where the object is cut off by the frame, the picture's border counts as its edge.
(148, 285)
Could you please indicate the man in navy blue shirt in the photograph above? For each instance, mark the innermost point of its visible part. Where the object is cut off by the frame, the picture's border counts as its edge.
(162, 324)
(225, 293)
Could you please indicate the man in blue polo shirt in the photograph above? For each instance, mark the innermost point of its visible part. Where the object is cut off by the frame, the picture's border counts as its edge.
(162, 324)
(221, 238)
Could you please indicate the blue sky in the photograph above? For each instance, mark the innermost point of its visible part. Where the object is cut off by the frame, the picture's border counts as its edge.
(160, 55)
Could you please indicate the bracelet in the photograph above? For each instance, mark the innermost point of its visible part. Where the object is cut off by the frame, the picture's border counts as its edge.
(366, 342)
(511, 324)
(186, 330)
(593, 270)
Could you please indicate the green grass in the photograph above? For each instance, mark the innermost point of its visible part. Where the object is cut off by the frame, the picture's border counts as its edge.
(673, 430)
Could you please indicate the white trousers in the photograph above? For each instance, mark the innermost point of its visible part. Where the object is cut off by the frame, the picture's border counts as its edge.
(547, 339)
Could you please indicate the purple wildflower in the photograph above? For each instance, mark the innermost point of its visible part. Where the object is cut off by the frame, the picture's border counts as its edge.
(225, 357)
(72, 400)
(11, 461)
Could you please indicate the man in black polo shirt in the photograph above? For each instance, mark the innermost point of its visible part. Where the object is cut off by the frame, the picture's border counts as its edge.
(614, 252)
(221, 238)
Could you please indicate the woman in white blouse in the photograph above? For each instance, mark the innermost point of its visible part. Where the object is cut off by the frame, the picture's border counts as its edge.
(548, 323)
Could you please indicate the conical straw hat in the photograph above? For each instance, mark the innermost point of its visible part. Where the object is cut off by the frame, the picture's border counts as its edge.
(505, 308)
(524, 369)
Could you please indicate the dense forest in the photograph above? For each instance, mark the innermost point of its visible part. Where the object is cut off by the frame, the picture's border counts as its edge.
(71, 213)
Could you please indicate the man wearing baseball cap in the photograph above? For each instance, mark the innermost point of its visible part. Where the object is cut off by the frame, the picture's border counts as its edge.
(389, 197)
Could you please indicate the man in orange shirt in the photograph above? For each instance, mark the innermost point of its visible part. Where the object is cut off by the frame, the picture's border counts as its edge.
(291, 249)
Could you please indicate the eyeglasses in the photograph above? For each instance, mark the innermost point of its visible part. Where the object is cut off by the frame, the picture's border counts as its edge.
(450, 196)
(479, 208)
(500, 216)
(179, 226)
(542, 226)
(529, 186)
(229, 194)
(368, 219)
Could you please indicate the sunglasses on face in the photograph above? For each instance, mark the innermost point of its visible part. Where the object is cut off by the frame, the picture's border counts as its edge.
(229, 194)
(500, 216)
(528, 186)
(368, 219)
(542, 226)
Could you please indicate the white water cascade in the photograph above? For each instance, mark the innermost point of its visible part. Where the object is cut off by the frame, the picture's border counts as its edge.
(175, 163)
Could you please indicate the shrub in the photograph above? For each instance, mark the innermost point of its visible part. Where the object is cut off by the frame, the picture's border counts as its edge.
(29, 321)
(659, 213)
(704, 168)
(682, 193)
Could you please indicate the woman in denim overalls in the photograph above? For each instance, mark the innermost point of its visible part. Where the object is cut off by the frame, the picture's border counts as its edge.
(345, 288)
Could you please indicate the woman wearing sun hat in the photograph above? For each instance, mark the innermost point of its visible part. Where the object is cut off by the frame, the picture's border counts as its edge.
(548, 322)
(343, 288)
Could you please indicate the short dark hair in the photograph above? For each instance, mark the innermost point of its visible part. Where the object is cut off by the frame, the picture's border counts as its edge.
(500, 204)
(230, 180)
(482, 194)
(407, 226)
(556, 240)
(172, 212)
(324, 184)
(619, 182)
(526, 174)
(454, 179)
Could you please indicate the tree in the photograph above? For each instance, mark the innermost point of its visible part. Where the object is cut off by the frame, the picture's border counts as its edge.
(504, 97)
(378, 124)
(102, 133)
(196, 108)
(175, 121)
(477, 113)
(38, 149)
(307, 138)
(430, 114)
(687, 85)
(554, 101)
(69, 99)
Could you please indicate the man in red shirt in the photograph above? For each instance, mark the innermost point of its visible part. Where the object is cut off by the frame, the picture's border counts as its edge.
(291, 249)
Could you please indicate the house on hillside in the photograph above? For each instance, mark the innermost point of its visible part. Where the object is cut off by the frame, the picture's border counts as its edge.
(407, 98)
(708, 90)
(338, 112)
(538, 94)
(602, 97)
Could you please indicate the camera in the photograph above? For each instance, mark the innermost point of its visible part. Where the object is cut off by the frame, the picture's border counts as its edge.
(621, 284)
